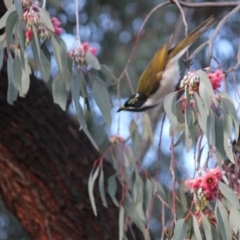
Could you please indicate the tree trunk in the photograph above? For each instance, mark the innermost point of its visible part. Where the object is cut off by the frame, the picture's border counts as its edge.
(45, 163)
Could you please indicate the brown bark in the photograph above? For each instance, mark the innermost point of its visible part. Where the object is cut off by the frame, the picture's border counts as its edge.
(45, 163)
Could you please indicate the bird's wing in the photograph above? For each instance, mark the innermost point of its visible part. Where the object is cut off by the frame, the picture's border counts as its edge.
(149, 80)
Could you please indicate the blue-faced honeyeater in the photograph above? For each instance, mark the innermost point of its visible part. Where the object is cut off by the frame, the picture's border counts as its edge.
(162, 73)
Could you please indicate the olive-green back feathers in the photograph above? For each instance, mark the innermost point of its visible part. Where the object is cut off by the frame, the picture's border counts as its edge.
(149, 80)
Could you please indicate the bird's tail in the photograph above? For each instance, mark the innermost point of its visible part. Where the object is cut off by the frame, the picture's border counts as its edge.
(191, 37)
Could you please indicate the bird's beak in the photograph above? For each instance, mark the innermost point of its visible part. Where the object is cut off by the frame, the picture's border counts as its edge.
(121, 108)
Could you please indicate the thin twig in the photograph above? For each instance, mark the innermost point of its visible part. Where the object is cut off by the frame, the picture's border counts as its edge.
(183, 16)
(238, 60)
(78, 39)
(138, 37)
(208, 4)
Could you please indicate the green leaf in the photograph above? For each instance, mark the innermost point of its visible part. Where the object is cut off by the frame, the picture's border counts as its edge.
(75, 90)
(12, 92)
(219, 135)
(26, 71)
(20, 30)
(222, 219)
(230, 109)
(112, 189)
(137, 189)
(10, 24)
(206, 227)
(103, 101)
(229, 194)
(202, 112)
(211, 136)
(180, 230)
(60, 51)
(44, 16)
(45, 56)
(101, 188)
(91, 182)
(3, 20)
(205, 89)
(180, 139)
(59, 91)
(135, 136)
(92, 60)
(196, 228)
(83, 85)
(234, 219)
(148, 193)
(170, 109)
(182, 190)
(17, 72)
(106, 74)
(132, 213)
(18, 5)
(121, 223)
(147, 128)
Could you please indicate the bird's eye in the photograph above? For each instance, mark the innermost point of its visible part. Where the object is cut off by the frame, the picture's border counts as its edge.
(132, 101)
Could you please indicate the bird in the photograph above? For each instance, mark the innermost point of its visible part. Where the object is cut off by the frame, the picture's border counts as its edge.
(162, 73)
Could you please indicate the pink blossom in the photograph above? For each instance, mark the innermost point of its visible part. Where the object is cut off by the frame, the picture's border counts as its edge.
(56, 24)
(28, 35)
(85, 47)
(194, 183)
(93, 50)
(217, 172)
(216, 78)
(209, 182)
(183, 105)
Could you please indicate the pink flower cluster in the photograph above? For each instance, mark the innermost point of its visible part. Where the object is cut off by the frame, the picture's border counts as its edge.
(56, 24)
(77, 54)
(32, 19)
(207, 183)
(216, 78)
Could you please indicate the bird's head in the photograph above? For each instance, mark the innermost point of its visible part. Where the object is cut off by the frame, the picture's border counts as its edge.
(136, 103)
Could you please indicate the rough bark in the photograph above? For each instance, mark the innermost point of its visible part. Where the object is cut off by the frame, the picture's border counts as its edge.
(45, 163)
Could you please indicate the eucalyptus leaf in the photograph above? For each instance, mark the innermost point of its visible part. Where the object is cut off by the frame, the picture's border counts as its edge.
(196, 228)
(92, 60)
(206, 227)
(148, 193)
(112, 189)
(10, 24)
(222, 219)
(137, 189)
(44, 16)
(211, 136)
(121, 223)
(60, 51)
(234, 219)
(1, 54)
(205, 89)
(106, 74)
(12, 92)
(75, 90)
(229, 194)
(45, 56)
(132, 213)
(59, 91)
(91, 181)
(202, 113)
(103, 101)
(170, 109)
(135, 136)
(147, 128)
(17, 72)
(101, 188)
(20, 30)
(18, 5)
(180, 230)
(3, 20)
